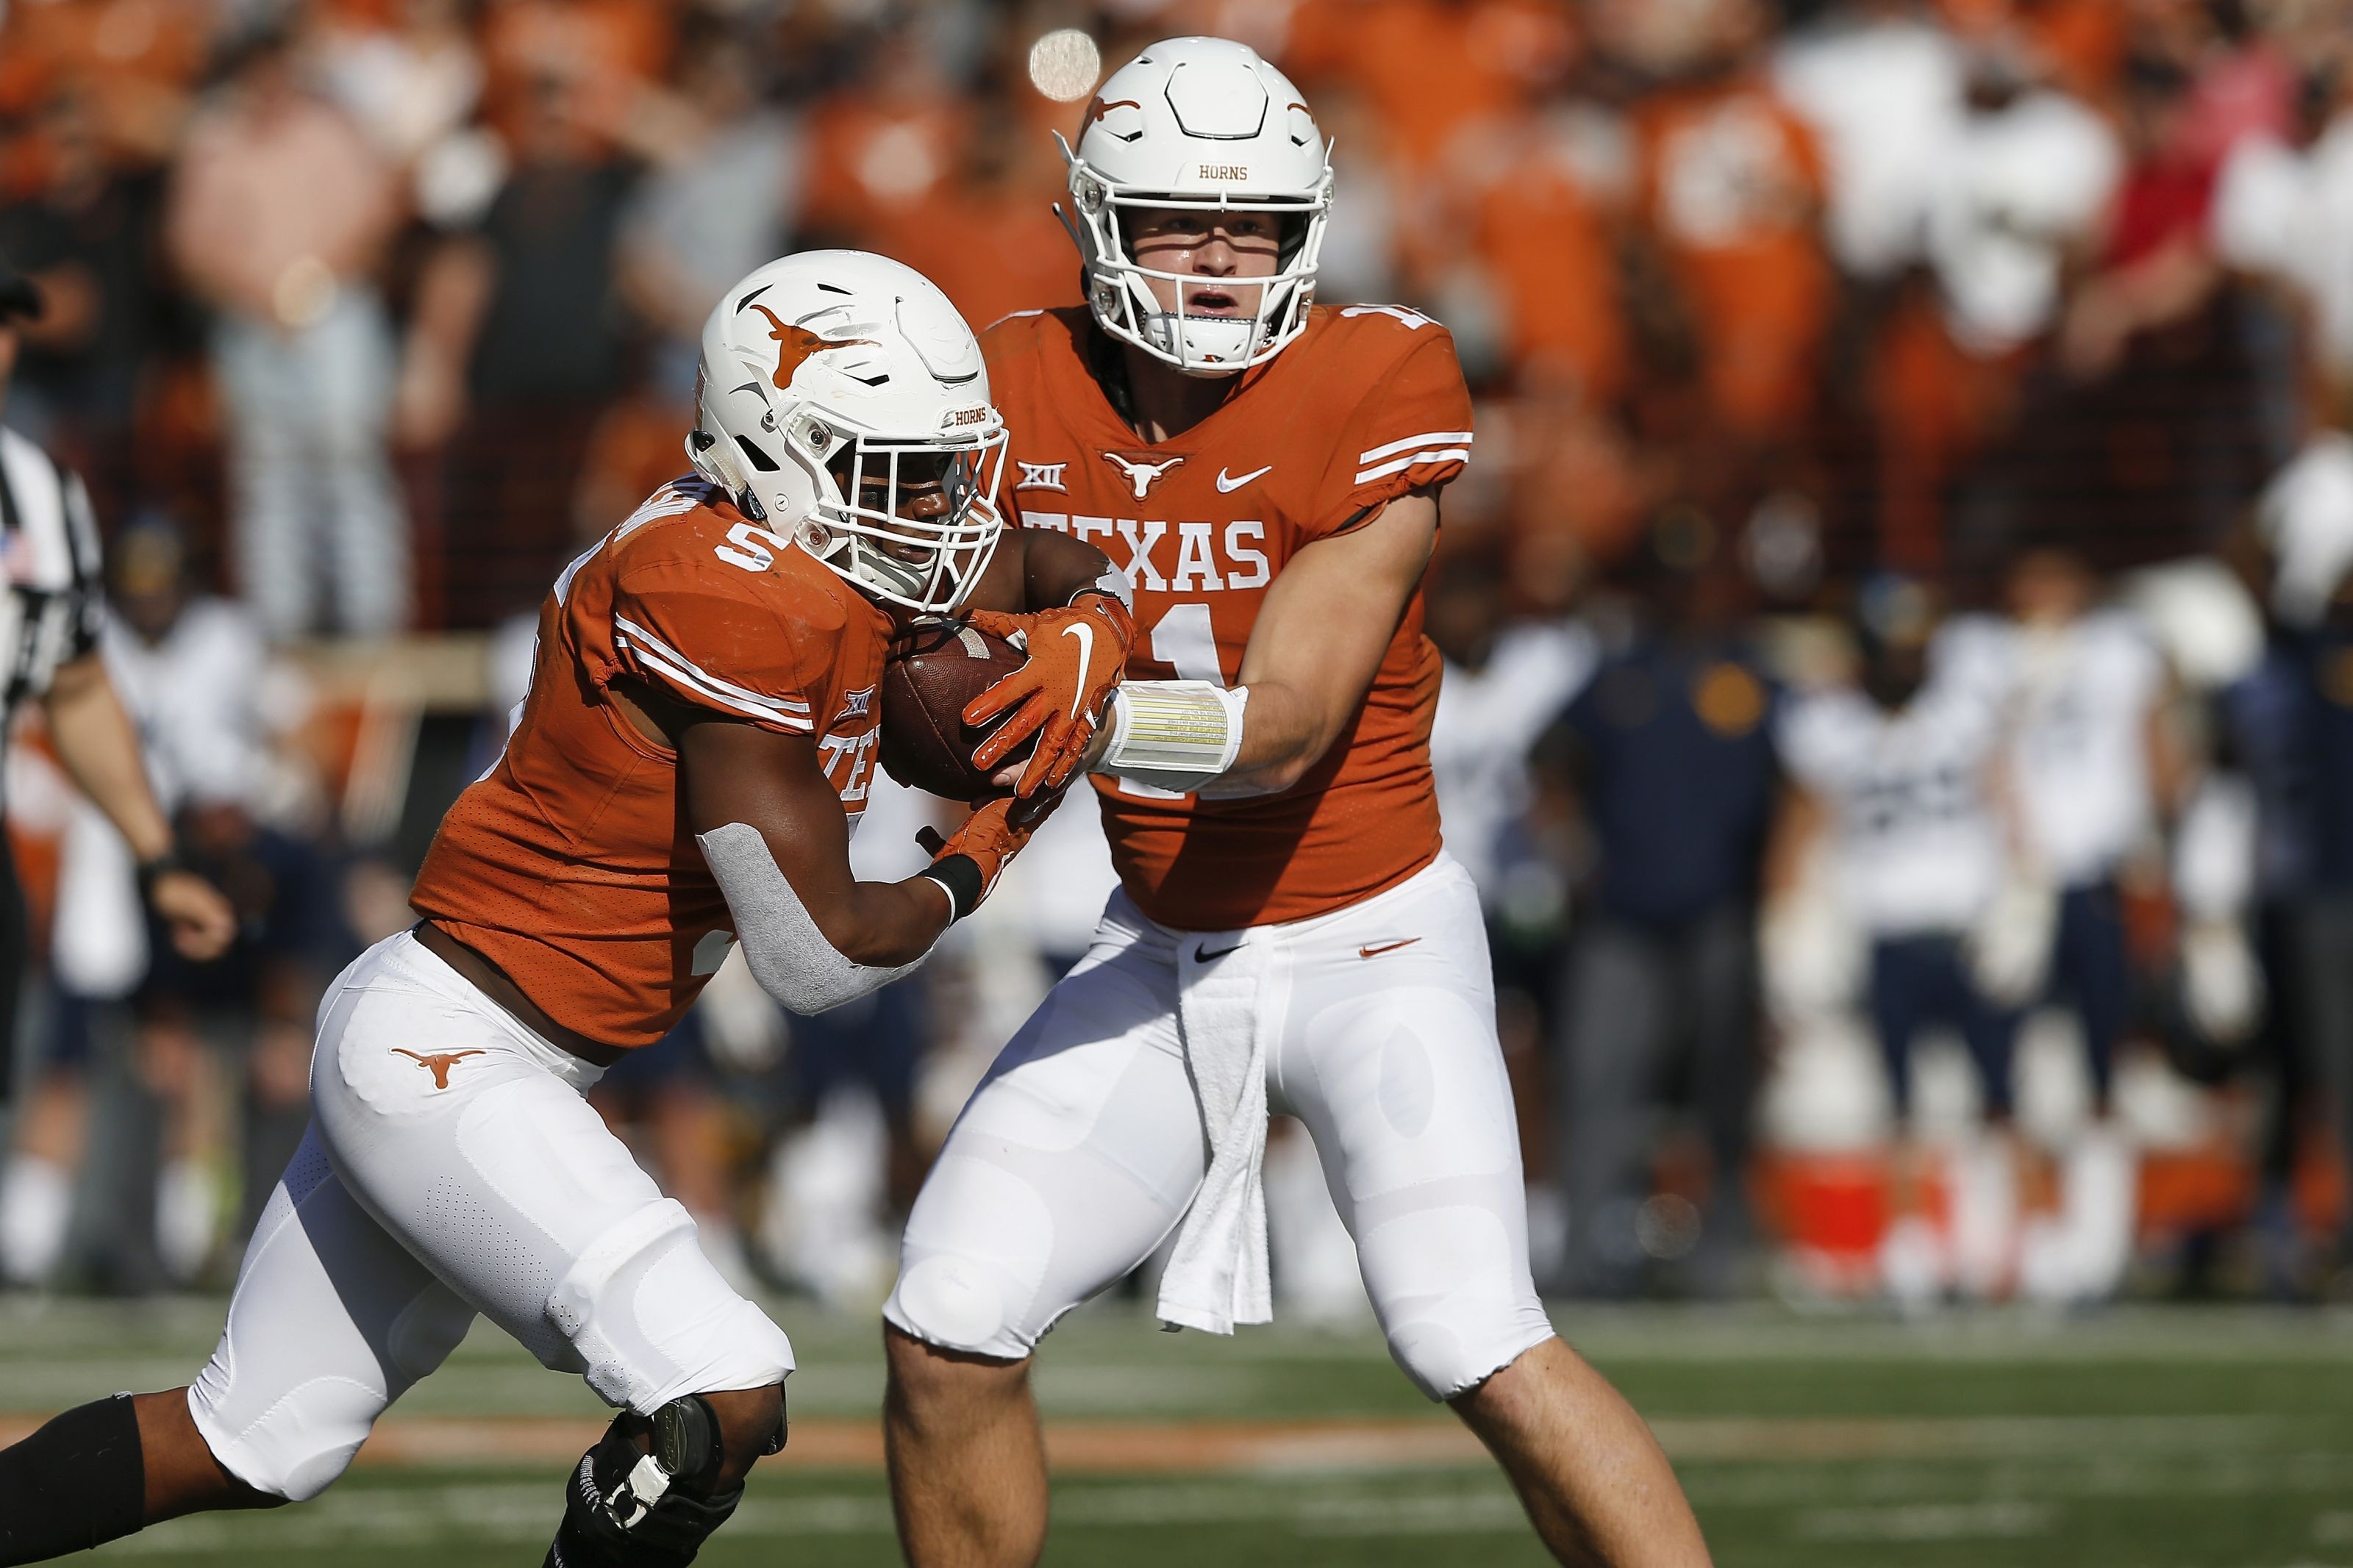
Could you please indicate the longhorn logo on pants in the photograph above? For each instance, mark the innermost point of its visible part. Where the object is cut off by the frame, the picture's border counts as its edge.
(439, 1064)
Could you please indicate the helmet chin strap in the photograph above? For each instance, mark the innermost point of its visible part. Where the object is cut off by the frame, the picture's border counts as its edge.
(1177, 331)
(907, 577)
(1175, 334)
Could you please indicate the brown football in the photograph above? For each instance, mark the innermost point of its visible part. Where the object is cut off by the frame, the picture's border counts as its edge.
(935, 668)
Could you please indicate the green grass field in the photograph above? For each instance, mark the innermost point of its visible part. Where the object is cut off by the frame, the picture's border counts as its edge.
(2153, 1439)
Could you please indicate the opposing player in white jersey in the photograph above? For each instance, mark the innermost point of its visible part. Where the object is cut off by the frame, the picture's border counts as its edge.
(1288, 935)
(1902, 770)
(2094, 771)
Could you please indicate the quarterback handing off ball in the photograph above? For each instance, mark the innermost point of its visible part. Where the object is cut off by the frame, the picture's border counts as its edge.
(936, 667)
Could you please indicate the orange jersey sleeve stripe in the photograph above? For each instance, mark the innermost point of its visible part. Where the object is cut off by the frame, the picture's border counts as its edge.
(1429, 438)
(1414, 459)
(1429, 447)
(658, 659)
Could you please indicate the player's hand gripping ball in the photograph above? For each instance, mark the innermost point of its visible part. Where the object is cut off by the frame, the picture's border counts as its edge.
(936, 667)
(1077, 654)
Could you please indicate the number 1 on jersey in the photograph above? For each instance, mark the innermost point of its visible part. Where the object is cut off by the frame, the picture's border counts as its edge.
(1184, 640)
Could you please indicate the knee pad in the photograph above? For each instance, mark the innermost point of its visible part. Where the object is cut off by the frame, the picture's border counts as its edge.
(955, 1304)
(300, 1447)
(1453, 1293)
(651, 1320)
(1445, 1362)
(974, 1261)
(650, 1507)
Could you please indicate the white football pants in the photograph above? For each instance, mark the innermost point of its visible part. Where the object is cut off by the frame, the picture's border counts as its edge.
(1084, 1146)
(453, 1167)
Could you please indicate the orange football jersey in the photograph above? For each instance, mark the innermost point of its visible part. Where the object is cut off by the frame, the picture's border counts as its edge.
(1367, 403)
(569, 865)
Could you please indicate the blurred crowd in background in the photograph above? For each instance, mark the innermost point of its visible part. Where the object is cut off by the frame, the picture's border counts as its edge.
(1899, 703)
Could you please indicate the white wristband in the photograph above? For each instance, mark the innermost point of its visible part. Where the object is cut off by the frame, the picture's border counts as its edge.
(1176, 735)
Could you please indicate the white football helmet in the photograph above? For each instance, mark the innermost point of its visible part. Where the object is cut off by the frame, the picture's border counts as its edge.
(1200, 124)
(828, 381)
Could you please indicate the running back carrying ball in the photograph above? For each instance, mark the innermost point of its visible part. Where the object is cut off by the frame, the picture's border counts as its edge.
(936, 667)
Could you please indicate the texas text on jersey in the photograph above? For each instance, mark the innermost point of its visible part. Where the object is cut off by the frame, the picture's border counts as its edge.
(569, 864)
(1367, 405)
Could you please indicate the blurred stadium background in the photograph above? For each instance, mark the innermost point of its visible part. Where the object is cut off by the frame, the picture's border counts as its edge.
(1984, 361)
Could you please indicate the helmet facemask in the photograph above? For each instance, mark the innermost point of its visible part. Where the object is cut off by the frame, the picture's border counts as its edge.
(1119, 288)
(911, 519)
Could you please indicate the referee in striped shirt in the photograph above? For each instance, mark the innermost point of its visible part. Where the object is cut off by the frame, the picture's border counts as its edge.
(52, 603)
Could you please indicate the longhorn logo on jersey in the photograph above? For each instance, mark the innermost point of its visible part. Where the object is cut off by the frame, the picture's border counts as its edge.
(796, 345)
(1141, 475)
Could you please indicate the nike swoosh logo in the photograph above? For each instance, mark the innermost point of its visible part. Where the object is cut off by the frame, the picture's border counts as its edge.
(1228, 487)
(1203, 955)
(1385, 947)
(1086, 635)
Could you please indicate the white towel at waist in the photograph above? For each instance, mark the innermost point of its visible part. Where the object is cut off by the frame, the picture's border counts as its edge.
(1216, 1274)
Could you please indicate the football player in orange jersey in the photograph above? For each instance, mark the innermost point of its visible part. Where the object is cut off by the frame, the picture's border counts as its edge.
(683, 777)
(1288, 933)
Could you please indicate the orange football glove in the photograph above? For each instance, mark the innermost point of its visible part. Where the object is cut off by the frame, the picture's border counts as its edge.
(986, 843)
(1077, 654)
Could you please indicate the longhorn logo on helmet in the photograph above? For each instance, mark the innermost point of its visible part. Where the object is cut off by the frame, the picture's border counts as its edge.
(795, 344)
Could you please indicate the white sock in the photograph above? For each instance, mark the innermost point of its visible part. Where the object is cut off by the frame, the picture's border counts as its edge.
(1912, 1268)
(1985, 1216)
(183, 1219)
(2047, 1262)
(36, 1205)
(2102, 1198)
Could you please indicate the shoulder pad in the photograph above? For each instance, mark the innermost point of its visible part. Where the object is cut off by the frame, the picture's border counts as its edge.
(1401, 323)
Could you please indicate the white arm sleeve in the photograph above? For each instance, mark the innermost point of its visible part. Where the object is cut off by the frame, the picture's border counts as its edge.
(1174, 734)
(782, 945)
